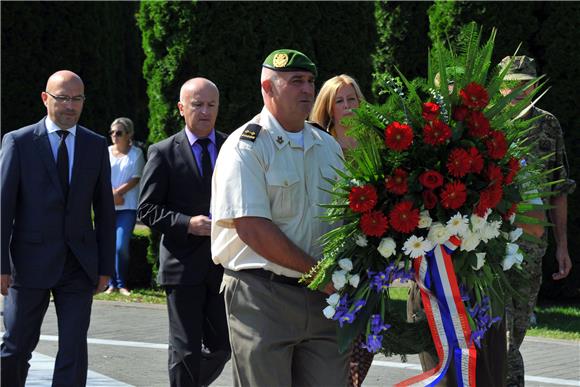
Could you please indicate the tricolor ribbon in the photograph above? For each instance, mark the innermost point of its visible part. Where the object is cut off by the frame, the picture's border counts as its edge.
(447, 317)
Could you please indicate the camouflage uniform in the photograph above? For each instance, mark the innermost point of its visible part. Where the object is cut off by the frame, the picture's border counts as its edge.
(545, 138)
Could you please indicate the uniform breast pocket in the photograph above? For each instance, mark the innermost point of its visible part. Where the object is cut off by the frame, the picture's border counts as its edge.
(283, 191)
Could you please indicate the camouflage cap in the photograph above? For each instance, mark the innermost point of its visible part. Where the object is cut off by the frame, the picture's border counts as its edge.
(523, 68)
(289, 60)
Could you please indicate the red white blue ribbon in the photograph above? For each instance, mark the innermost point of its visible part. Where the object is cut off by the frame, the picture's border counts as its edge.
(447, 318)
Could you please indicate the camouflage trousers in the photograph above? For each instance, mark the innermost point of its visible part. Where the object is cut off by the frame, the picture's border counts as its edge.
(519, 311)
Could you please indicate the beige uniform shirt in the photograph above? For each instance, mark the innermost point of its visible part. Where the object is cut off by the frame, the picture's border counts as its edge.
(274, 178)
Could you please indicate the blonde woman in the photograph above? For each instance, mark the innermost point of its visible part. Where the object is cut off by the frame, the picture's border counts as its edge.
(126, 168)
(336, 99)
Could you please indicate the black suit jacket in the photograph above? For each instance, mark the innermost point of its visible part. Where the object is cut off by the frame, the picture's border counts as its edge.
(39, 224)
(171, 194)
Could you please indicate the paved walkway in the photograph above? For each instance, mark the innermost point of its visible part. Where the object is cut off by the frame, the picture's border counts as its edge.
(127, 347)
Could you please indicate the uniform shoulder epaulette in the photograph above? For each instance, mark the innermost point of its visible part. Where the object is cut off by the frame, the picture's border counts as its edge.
(316, 125)
(251, 132)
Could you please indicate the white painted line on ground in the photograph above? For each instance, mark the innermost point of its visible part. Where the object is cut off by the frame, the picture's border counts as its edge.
(118, 343)
(529, 378)
(379, 363)
(42, 367)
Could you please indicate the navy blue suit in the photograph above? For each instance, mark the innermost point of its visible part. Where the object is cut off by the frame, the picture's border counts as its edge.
(53, 244)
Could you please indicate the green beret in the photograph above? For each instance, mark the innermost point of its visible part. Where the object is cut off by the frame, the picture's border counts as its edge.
(522, 68)
(289, 60)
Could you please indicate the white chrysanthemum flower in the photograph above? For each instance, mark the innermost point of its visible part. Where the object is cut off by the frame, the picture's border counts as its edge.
(516, 234)
(339, 279)
(480, 261)
(458, 224)
(512, 259)
(329, 312)
(425, 220)
(354, 280)
(333, 299)
(438, 234)
(416, 246)
(345, 264)
(361, 240)
(387, 247)
(490, 230)
(477, 222)
(469, 241)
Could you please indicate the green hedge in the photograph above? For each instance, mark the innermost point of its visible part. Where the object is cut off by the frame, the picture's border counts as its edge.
(227, 42)
(97, 40)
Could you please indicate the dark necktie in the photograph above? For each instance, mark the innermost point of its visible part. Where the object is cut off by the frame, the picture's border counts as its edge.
(62, 161)
(206, 169)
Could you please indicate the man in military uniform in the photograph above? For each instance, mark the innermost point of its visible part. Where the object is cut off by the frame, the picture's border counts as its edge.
(266, 192)
(546, 138)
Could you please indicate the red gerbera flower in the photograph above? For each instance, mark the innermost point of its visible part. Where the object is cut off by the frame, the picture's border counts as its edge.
(436, 133)
(431, 179)
(494, 175)
(398, 137)
(496, 145)
(430, 111)
(374, 223)
(512, 210)
(460, 113)
(514, 168)
(397, 183)
(478, 124)
(453, 195)
(362, 199)
(404, 218)
(475, 161)
(488, 198)
(429, 199)
(458, 162)
(474, 96)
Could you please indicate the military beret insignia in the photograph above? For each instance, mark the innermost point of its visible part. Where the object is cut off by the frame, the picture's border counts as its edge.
(251, 132)
(280, 60)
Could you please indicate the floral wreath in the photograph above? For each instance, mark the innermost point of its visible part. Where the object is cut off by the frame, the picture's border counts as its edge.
(434, 193)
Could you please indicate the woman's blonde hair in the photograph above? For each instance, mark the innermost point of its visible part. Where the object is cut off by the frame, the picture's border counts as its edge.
(126, 123)
(322, 111)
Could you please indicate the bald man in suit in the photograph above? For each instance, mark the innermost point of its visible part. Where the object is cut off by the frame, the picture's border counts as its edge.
(58, 232)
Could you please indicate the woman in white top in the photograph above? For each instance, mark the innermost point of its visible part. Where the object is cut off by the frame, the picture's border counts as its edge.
(126, 168)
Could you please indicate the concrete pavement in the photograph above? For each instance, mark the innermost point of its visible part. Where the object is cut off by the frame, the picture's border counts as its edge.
(127, 346)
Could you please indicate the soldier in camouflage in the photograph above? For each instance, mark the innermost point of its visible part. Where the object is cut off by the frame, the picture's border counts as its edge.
(546, 139)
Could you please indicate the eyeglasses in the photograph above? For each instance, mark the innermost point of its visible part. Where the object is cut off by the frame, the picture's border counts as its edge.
(118, 133)
(66, 98)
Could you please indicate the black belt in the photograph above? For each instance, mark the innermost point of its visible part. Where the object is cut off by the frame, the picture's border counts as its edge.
(281, 279)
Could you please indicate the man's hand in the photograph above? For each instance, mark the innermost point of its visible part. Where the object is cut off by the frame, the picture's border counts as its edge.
(102, 284)
(118, 198)
(199, 225)
(564, 264)
(5, 282)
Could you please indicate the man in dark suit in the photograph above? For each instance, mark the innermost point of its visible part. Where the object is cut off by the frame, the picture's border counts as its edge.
(175, 198)
(54, 173)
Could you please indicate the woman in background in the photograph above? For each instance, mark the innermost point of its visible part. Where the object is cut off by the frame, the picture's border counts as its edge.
(337, 97)
(126, 168)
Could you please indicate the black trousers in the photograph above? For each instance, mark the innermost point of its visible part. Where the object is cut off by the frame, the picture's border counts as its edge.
(196, 315)
(24, 310)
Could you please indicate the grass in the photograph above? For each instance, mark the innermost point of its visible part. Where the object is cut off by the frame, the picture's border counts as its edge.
(148, 296)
